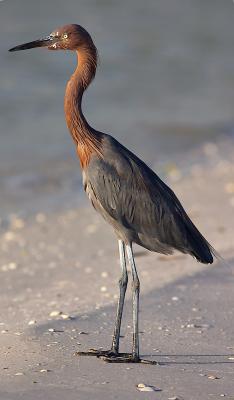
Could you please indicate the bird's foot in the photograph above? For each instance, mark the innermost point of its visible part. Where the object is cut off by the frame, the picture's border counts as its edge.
(100, 353)
(125, 358)
(111, 356)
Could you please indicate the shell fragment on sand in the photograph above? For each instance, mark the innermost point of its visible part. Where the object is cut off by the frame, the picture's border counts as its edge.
(142, 387)
(32, 322)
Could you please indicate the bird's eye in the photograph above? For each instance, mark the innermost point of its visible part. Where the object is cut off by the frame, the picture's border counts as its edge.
(65, 36)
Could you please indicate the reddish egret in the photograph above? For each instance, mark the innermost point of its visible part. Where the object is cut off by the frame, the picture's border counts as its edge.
(123, 189)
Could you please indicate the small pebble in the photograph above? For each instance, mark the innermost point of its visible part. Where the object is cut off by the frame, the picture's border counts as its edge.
(213, 377)
(147, 388)
(9, 267)
(44, 370)
(174, 398)
(55, 313)
(103, 289)
(19, 373)
(32, 322)
(204, 326)
(66, 316)
(12, 266)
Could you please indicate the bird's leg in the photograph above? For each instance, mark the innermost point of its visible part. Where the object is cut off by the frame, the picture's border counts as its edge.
(113, 355)
(135, 302)
(123, 282)
(134, 357)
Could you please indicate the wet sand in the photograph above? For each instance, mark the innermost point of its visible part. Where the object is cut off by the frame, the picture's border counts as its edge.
(59, 274)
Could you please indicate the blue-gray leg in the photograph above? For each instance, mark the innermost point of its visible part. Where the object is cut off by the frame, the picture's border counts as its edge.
(134, 356)
(135, 302)
(113, 355)
(123, 283)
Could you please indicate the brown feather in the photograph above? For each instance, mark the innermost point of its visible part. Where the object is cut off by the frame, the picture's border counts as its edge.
(87, 140)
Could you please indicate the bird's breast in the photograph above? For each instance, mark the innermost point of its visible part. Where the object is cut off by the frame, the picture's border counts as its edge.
(84, 153)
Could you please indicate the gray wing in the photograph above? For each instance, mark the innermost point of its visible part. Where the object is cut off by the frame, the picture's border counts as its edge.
(135, 197)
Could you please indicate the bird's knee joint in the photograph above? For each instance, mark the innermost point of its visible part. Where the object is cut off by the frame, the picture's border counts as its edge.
(123, 282)
(136, 285)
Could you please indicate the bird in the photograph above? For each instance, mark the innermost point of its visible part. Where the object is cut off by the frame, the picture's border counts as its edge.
(127, 193)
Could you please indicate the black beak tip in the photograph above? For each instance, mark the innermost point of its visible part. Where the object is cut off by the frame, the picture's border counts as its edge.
(31, 45)
(17, 48)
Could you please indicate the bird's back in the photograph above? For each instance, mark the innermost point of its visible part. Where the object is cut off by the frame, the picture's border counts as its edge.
(139, 205)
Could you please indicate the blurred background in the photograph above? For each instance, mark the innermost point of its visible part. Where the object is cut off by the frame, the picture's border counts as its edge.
(164, 87)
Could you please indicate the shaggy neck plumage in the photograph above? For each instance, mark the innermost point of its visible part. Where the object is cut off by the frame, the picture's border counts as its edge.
(82, 133)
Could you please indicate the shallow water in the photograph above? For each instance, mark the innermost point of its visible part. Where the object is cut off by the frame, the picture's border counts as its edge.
(164, 85)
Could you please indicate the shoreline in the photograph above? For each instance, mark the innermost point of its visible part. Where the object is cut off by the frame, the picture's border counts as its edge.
(56, 185)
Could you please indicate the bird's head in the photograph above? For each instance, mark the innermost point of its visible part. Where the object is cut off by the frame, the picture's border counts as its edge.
(68, 37)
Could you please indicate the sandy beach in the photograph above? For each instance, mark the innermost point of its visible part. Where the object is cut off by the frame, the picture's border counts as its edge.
(164, 88)
(59, 274)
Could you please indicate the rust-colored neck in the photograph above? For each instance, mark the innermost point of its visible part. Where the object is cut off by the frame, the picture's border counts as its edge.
(87, 140)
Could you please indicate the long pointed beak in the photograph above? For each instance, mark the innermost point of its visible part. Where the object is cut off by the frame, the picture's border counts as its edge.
(44, 42)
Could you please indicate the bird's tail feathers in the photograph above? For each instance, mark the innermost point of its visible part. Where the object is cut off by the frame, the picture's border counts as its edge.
(198, 246)
(202, 249)
(218, 256)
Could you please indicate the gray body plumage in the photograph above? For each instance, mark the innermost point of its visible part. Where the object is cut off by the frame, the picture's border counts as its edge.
(140, 207)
